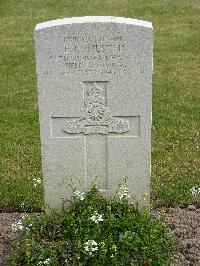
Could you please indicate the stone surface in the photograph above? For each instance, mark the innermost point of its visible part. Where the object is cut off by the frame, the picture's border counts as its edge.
(94, 84)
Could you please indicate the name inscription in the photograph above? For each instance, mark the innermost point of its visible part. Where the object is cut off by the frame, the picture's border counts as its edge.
(90, 55)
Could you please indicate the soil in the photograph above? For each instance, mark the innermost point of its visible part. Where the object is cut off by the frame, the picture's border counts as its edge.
(182, 223)
(6, 233)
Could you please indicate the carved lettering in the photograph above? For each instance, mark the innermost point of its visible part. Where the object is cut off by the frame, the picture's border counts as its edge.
(91, 55)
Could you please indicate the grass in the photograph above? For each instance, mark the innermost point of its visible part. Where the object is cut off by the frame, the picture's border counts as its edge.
(175, 158)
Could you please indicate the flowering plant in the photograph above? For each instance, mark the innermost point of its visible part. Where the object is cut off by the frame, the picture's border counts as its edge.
(96, 217)
(93, 230)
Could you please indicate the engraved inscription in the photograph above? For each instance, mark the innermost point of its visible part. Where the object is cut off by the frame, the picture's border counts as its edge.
(95, 116)
(90, 55)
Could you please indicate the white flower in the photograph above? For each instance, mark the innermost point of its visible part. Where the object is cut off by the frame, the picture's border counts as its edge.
(45, 262)
(109, 208)
(114, 248)
(29, 226)
(102, 244)
(90, 246)
(195, 191)
(79, 194)
(17, 226)
(96, 217)
(37, 181)
(123, 192)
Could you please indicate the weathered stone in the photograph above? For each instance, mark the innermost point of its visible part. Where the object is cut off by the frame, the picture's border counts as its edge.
(94, 83)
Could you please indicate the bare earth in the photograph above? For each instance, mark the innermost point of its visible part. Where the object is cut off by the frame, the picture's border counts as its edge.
(183, 223)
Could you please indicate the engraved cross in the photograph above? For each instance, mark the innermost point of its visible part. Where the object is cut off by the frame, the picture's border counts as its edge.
(96, 125)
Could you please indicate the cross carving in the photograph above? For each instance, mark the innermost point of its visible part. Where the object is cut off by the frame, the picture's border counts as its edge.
(96, 125)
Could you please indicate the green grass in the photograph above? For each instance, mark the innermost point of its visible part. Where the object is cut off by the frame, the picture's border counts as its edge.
(176, 82)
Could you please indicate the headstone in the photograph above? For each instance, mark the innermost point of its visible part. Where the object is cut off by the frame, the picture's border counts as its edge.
(94, 78)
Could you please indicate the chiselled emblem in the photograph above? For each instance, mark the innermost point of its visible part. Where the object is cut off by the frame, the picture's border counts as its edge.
(95, 116)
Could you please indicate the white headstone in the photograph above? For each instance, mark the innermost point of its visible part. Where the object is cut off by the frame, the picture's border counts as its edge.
(94, 83)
